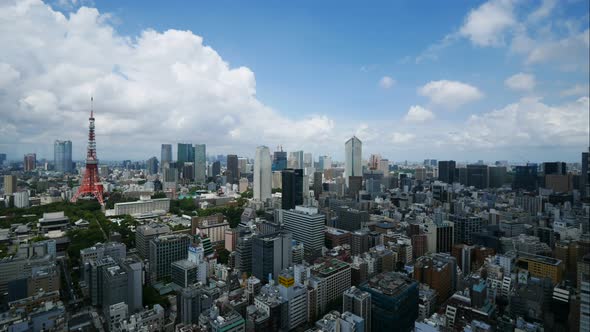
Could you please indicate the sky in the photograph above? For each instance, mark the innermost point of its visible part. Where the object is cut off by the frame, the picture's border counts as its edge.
(414, 80)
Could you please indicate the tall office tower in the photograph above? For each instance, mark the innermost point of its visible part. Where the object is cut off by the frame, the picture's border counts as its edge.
(525, 177)
(164, 250)
(185, 152)
(307, 160)
(295, 160)
(273, 254)
(9, 184)
(445, 236)
(2, 158)
(165, 154)
(90, 185)
(558, 168)
(384, 166)
(292, 184)
(359, 303)
(497, 176)
(114, 285)
(233, 171)
(394, 301)
(200, 163)
(62, 156)
(30, 162)
(317, 184)
(279, 160)
(374, 161)
(152, 166)
(134, 269)
(193, 300)
(244, 253)
(351, 219)
(585, 176)
(306, 225)
(585, 303)
(325, 163)
(359, 242)
(169, 172)
(446, 171)
(477, 176)
(465, 226)
(262, 174)
(216, 168)
(353, 150)
(145, 233)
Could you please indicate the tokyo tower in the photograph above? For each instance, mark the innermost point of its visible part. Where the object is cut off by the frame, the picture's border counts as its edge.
(91, 185)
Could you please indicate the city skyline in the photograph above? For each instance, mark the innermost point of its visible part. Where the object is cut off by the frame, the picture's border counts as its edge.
(405, 103)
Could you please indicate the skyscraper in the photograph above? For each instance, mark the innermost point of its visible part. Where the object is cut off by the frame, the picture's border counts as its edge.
(30, 162)
(262, 174)
(279, 160)
(166, 154)
(478, 176)
(185, 153)
(272, 252)
(200, 163)
(558, 168)
(2, 158)
(233, 171)
(295, 159)
(62, 156)
(216, 168)
(446, 171)
(9, 184)
(152, 166)
(306, 225)
(353, 153)
(292, 184)
(525, 177)
(585, 176)
(359, 303)
(325, 163)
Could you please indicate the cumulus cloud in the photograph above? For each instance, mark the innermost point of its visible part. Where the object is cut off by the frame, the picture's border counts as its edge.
(577, 90)
(487, 24)
(450, 94)
(521, 82)
(386, 82)
(155, 88)
(418, 114)
(399, 138)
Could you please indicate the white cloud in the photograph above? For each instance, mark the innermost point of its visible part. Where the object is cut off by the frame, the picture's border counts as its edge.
(577, 90)
(487, 24)
(398, 138)
(543, 11)
(570, 52)
(386, 82)
(418, 113)
(158, 87)
(450, 94)
(521, 82)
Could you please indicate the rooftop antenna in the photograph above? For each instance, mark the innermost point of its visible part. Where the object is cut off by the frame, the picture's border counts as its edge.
(91, 106)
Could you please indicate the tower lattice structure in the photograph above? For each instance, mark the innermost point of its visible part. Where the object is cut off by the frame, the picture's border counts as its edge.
(91, 185)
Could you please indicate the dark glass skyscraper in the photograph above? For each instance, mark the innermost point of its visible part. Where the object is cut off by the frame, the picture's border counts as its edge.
(185, 154)
(292, 180)
(233, 170)
(557, 168)
(166, 154)
(525, 177)
(279, 160)
(216, 168)
(446, 171)
(477, 176)
(62, 156)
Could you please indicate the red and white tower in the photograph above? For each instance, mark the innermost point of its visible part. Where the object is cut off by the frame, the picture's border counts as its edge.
(91, 185)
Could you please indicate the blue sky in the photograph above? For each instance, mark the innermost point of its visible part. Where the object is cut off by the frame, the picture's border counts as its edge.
(316, 66)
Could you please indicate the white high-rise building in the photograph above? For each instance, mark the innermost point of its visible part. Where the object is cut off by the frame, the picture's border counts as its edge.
(353, 163)
(21, 199)
(262, 174)
(200, 163)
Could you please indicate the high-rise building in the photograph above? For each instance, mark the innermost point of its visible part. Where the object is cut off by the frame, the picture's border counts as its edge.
(307, 160)
(437, 274)
(185, 153)
(166, 154)
(292, 188)
(184, 273)
(114, 285)
(353, 150)
(317, 184)
(169, 172)
(2, 158)
(279, 160)
(525, 177)
(306, 225)
(477, 176)
(359, 303)
(30, 162)
(445, 236)
(351, 219)
(164, 250)
(554, 168)
(446, 171)
(145, 233)
(262, 174)
(9, 184)
(325, 163)
(359, 242)
(295, 160)
(200, 163)
(585, 175)
(394, 301)
(152, 166)
(465, 226)
(216, 168)
(273, 254)
(497, 176)
(62, 156)
(585, 303)
(233, 170)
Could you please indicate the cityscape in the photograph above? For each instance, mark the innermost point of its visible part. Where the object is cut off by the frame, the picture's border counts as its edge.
(145, 186)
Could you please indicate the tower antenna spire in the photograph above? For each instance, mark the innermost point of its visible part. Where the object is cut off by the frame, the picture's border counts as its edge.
(91, 106)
